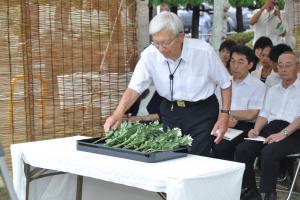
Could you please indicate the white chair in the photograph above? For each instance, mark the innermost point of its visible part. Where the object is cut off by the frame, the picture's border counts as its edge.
(297, 157)
(6, 177)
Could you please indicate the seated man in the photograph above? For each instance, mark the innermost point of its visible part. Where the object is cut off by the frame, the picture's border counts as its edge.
(275, 52)
(152, 108)
(247, 99)
(279, 123)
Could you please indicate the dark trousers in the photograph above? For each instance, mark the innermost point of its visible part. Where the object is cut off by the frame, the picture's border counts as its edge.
(196, 120)
(270, 155)
(225, 149)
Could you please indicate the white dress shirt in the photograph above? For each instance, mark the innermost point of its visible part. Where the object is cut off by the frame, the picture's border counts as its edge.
(257, 73)
(195, 79)
(272, 79)
(246, 95)
(281, 103)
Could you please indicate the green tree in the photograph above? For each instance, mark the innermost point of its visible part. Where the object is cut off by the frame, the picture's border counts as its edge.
(239, 14)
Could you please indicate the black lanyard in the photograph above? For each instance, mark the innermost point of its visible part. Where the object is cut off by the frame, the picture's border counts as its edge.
(171, 77)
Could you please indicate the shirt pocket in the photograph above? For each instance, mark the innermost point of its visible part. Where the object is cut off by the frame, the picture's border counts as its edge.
(292, 107)
(239, 103)
(194, 83)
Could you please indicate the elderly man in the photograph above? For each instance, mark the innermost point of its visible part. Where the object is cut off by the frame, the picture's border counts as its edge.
(279, 123)
(185, 73)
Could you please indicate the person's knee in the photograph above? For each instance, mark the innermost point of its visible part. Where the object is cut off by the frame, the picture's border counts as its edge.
(241, 152)
(221, 147)
(268, 154)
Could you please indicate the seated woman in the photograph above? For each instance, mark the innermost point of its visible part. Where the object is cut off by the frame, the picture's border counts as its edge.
(224, 51)
(266, 65)
(259, 45)
(279, 123)
(247, 99)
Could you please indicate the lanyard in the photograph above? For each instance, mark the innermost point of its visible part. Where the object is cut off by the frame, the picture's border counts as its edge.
(171, 77)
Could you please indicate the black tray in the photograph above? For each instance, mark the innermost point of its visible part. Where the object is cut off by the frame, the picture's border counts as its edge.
(99, 148)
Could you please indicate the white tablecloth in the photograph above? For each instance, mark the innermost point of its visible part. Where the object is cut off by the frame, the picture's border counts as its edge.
(189, 178)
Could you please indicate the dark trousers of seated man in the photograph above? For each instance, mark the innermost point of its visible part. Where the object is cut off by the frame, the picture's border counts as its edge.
(225, 149)
(270, 155)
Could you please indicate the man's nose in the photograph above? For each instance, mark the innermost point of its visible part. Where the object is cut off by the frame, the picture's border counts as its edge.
(161, 48)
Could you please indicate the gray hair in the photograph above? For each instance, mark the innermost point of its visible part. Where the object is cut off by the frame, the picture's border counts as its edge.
(166, 20)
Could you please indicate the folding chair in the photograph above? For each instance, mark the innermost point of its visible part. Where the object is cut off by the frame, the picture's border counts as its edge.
(6, 177)
(296, 156)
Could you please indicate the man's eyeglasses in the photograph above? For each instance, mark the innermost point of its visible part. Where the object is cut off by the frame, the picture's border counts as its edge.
(164, 44)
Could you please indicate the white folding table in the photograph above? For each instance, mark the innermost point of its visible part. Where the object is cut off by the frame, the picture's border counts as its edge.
(188, 178)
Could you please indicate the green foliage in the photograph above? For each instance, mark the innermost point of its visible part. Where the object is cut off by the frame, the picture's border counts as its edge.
(146, 137)
(241, 2)
(241, 38)
(261, 2)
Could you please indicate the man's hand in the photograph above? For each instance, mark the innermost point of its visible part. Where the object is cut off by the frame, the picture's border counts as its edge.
(276, 137)
(112, 121)
(232, 122)
(129, 97)
(253, 133)
(220, 127)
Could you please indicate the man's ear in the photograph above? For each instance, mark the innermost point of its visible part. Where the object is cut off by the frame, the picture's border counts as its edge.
(250, 65)
(181, 35)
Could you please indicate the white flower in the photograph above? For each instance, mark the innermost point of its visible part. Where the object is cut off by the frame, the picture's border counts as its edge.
(179, 133)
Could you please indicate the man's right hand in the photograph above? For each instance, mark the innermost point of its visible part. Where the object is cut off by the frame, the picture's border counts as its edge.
(253, 133)
(112, 121)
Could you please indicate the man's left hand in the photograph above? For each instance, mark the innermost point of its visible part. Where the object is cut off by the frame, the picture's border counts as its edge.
(220, 127)
(276, 137)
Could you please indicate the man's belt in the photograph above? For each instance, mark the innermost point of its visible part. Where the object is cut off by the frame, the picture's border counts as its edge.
(184, 104)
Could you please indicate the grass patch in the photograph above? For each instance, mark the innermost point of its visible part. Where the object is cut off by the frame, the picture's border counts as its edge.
(242, 38)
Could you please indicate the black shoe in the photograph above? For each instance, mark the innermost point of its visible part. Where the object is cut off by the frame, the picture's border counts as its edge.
(251, 194)
(271, 196)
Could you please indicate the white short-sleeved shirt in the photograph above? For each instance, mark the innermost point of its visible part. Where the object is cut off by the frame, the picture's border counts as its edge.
(257, 74)
(267, 26)
(281, 103)
(272, 79)
(195, 79)
(247, 95)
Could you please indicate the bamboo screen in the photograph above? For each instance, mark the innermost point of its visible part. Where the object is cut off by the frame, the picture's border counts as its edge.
(296, 22)
(64, 65)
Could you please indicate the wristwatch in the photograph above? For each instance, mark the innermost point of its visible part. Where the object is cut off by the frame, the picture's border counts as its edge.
(285, 132)
(225, 111)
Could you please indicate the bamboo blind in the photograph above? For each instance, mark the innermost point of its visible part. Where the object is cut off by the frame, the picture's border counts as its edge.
(296, 22)
(64, 65)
